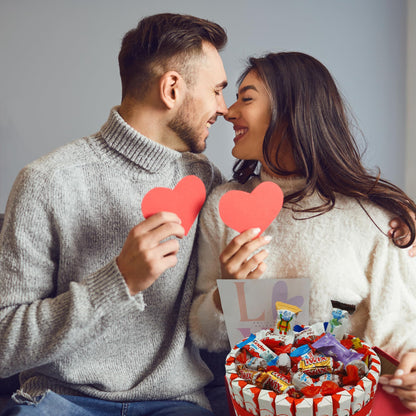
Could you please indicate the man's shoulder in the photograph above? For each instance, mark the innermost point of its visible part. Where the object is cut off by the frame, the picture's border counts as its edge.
(55, 169)
(68, 156)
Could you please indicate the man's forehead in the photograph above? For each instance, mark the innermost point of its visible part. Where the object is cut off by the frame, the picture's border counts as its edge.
(213, 66)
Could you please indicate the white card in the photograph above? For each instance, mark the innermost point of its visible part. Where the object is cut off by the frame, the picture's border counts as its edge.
(249, 305)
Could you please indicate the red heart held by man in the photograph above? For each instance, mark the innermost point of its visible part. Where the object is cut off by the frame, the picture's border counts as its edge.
(244, 210)
(185, 200)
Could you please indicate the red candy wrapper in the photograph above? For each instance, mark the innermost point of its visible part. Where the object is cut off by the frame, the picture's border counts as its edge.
(257, 349)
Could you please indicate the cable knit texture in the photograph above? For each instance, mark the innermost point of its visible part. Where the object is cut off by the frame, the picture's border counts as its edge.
(346, 257)
(67, 320)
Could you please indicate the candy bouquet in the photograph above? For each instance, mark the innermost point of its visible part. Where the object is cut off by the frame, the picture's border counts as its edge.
(293, 370)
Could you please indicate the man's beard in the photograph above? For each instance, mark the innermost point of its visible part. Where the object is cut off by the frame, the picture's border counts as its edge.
(184, 130)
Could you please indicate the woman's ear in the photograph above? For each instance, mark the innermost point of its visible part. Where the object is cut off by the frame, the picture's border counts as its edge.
(170, 88)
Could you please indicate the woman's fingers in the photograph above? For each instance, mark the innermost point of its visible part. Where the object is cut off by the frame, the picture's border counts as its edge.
(241, 258)
(236, 243)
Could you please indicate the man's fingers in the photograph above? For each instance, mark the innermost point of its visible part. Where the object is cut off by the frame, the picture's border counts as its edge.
(156, 232)
(156, 220)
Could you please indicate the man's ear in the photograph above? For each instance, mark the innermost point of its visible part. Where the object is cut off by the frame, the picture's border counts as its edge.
(170, 88)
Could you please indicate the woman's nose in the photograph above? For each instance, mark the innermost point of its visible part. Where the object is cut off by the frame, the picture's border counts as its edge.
(231, 114)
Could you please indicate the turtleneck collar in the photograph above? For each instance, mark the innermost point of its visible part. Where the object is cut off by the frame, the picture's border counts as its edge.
(139, 149)
(289, 185)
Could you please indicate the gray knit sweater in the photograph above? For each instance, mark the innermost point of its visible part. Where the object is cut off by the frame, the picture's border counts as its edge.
(67, 320)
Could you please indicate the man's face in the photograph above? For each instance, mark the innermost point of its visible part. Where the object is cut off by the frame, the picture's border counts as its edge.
(203, 102)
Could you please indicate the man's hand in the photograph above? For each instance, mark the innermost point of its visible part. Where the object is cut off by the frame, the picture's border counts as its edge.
(145, 255)
(400, 230)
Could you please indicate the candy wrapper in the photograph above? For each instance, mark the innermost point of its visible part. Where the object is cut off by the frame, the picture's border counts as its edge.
(251, 399)
(304, 407)
(286, 315)
(339, 324)
(322, 406)
(284, 405)
(330, 346)
(310, 334)
(237, 386)
(266, 402)
(257, 349)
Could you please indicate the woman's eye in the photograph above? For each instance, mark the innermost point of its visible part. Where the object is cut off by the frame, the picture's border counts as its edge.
(245, 99)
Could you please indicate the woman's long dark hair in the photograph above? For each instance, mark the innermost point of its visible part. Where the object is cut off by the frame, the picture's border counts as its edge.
(307, 111)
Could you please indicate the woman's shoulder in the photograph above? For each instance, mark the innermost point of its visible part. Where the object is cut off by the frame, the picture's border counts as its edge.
(363, 212)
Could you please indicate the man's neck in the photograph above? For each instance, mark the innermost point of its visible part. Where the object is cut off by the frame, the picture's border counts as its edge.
(149, 122)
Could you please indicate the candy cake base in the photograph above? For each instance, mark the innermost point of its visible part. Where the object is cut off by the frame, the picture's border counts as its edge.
(251, 400)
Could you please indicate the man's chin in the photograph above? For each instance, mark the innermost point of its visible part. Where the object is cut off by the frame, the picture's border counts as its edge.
(198, 147)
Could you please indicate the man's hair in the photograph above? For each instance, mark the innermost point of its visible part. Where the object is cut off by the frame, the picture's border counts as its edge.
(164, 42)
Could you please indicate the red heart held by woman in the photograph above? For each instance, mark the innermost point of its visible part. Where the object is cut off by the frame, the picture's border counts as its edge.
(185, 200)
(243, 210)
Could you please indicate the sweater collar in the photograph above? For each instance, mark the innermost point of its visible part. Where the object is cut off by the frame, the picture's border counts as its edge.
(141, 150)
(289, 185)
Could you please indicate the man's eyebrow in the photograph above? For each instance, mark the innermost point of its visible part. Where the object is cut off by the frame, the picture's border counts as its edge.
(247, 87)
(222, 85)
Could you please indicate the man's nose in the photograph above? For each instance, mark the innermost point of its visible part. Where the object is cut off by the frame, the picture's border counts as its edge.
(222, 107)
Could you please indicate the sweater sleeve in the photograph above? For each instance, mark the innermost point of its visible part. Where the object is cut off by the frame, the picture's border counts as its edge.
(391, 303)
(37, 324)
(207, 324)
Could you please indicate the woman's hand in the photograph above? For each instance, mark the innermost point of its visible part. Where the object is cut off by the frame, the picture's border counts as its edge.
(403, 383)
(238, 260)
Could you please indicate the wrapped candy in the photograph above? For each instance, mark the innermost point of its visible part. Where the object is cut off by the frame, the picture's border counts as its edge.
(285, 316)
(330, 346)
(278, 343)
(251, 399)
(279, 382)
(301, 380)
(257, 349)
(266, 402)
(255, 377)
(310, 334)
(310, 363)
(339, 324)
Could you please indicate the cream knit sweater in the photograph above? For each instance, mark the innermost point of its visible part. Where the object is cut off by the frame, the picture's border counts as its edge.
(342, 252)
(67, 320)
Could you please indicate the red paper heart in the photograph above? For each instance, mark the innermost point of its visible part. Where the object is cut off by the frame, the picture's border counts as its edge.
(243, 210)
(185, 200)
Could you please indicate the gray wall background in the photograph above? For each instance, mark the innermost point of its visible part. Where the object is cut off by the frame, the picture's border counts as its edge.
(59, 74)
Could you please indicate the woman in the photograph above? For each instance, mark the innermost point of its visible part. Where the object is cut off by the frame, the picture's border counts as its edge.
(291, 128)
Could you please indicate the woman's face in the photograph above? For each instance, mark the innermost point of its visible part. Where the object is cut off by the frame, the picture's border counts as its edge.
(250, 115)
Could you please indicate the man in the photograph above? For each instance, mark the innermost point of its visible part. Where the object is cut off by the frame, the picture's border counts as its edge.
(95, 298)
